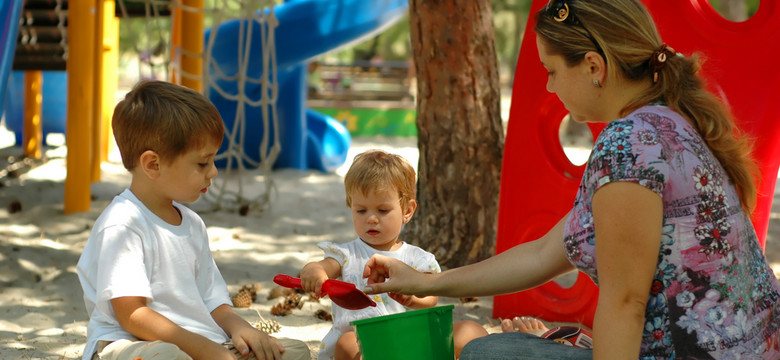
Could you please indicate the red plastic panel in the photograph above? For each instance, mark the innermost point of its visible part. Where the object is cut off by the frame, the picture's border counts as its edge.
(538, 182)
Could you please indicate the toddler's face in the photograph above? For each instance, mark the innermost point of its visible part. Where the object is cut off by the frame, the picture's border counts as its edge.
(378, 218)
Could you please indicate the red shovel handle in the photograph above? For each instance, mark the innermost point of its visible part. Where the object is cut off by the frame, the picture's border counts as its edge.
(288, 281)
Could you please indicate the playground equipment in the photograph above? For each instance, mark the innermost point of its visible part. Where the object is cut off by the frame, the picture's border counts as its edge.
(739, 68)
(53, 103)
(9, 27)
(309, 27)
(306, 29)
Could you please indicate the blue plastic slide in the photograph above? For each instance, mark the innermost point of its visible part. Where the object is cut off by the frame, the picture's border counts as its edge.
(307, 28)
(54, 103)
(12, 86)
(9, 28)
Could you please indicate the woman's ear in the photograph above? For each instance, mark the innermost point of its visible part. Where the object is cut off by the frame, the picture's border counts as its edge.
(597, 66)
(150, 164)
(411, 206)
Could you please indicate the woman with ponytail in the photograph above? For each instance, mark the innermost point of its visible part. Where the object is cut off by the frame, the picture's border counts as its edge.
(661, 221)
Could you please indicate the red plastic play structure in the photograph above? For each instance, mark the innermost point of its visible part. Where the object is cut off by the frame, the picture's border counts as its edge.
(538, 182)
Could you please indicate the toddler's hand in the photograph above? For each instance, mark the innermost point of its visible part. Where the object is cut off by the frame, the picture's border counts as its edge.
(312, 279)
(405, 300)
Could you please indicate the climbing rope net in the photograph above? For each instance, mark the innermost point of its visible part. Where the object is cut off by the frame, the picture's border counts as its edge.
(229, 190)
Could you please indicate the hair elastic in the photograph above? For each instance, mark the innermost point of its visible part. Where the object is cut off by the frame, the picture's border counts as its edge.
(658, 59)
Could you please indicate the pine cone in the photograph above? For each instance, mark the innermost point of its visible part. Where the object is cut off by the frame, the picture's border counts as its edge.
(281, 309)
(252, 288)
(268, 326)
(323, 315)
(242, 300)
(294, 301)
(245, 296)
(278, 292)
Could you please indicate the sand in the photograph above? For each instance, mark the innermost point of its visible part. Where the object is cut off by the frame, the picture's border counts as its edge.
(42, 314)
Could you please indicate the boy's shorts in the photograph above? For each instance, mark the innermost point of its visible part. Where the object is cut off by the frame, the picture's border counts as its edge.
(133, 350)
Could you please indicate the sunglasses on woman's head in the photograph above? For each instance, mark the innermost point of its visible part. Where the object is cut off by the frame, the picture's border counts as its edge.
(560, 11)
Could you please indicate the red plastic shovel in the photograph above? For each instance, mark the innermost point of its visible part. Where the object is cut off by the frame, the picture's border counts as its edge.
(342, 293)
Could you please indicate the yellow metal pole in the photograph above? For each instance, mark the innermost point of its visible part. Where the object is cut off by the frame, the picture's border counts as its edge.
(110, 79)
(33, 105)
(97, 103)
(192, 44)
(80, 67)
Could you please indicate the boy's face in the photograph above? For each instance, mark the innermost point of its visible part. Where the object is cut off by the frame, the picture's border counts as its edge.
(378, 217)
(189, 175)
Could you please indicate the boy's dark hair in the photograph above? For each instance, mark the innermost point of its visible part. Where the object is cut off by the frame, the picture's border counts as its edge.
(375, 170)
(166, 118)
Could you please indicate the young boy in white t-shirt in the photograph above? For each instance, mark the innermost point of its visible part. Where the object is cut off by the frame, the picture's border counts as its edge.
(151, 286)
(380, 191)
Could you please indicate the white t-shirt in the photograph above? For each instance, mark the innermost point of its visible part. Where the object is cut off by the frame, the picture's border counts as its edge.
(353, 257)
(133, 252)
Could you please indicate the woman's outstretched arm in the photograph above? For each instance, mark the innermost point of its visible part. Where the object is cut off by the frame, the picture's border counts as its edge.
(522, 267)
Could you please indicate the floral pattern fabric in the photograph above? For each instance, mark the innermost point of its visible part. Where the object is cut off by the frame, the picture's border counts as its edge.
(713, 293)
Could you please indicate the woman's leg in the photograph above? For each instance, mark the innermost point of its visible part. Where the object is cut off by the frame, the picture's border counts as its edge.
(517, 345)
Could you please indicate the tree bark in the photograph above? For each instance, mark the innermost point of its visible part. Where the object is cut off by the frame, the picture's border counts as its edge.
(460, 135)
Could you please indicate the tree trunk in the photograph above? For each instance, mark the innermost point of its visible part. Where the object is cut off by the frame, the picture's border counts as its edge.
(460, 135)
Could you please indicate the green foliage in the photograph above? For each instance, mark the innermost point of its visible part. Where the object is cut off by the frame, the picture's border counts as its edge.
(140, 36)
(509, 19)
(751, 6)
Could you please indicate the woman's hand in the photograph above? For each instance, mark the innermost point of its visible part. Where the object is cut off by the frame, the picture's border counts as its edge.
(386, 274)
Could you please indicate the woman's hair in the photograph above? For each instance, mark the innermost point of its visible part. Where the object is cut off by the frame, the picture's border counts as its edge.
(624, 33)
(166, 118)
(376, 170)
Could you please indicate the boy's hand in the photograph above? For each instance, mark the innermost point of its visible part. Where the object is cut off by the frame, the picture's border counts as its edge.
(264, 346)
(245, 337)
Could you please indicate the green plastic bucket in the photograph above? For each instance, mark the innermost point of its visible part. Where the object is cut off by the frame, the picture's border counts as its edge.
(415, 334)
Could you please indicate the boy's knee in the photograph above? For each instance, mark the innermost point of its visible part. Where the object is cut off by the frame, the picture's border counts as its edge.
(126, 349)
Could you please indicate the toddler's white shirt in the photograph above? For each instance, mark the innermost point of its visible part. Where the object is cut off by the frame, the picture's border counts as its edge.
(353, 257)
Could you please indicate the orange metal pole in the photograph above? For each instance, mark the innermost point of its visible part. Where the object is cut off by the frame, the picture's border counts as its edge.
(33, 107)
(192, 45)
(97, 103)
(110, 77)
(175, 42)
(80, 67)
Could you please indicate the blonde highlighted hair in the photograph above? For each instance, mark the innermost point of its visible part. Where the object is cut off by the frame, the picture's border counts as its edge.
(624, 33)
(166, 118)
(376, 170)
